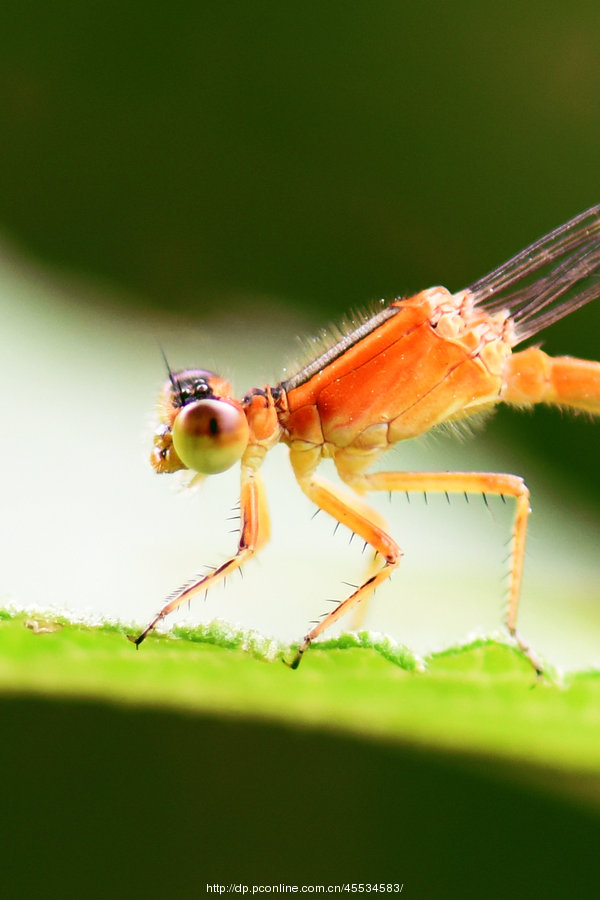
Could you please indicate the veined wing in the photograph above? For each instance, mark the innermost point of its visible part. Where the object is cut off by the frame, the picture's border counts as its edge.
(551, 278)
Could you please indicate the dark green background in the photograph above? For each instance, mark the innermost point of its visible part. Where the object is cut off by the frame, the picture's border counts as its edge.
(323, 153)
(137, 803)
(318, 155)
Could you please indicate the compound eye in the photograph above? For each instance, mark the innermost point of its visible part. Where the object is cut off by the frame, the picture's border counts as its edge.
(209, 436)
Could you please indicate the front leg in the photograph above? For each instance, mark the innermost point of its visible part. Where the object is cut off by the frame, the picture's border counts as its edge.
(254, 534)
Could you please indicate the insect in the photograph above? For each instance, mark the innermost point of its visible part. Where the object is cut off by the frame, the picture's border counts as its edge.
(418, 362)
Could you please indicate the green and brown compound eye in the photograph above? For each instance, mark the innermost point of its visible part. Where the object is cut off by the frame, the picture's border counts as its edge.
(209, 436)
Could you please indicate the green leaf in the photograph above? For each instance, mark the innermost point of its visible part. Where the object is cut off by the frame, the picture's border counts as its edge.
(479, 698)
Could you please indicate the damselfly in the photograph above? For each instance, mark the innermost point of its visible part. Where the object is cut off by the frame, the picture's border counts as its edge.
(416, 363)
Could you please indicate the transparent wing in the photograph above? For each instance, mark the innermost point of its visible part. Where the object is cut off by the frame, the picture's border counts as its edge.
(549, 279)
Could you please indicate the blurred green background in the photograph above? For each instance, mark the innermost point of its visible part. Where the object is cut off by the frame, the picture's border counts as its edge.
(190, 167)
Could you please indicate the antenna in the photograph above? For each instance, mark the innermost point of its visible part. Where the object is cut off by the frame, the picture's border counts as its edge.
(174, 383)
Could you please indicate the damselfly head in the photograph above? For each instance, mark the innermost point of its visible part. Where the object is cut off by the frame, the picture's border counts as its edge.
(201, 426)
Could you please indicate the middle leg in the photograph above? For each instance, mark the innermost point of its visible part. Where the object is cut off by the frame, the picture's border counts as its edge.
(350, 510)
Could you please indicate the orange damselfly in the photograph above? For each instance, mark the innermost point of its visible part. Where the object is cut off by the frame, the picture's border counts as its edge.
(415, 364)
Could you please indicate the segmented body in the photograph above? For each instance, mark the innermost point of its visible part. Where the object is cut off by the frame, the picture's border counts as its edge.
(435, 359)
